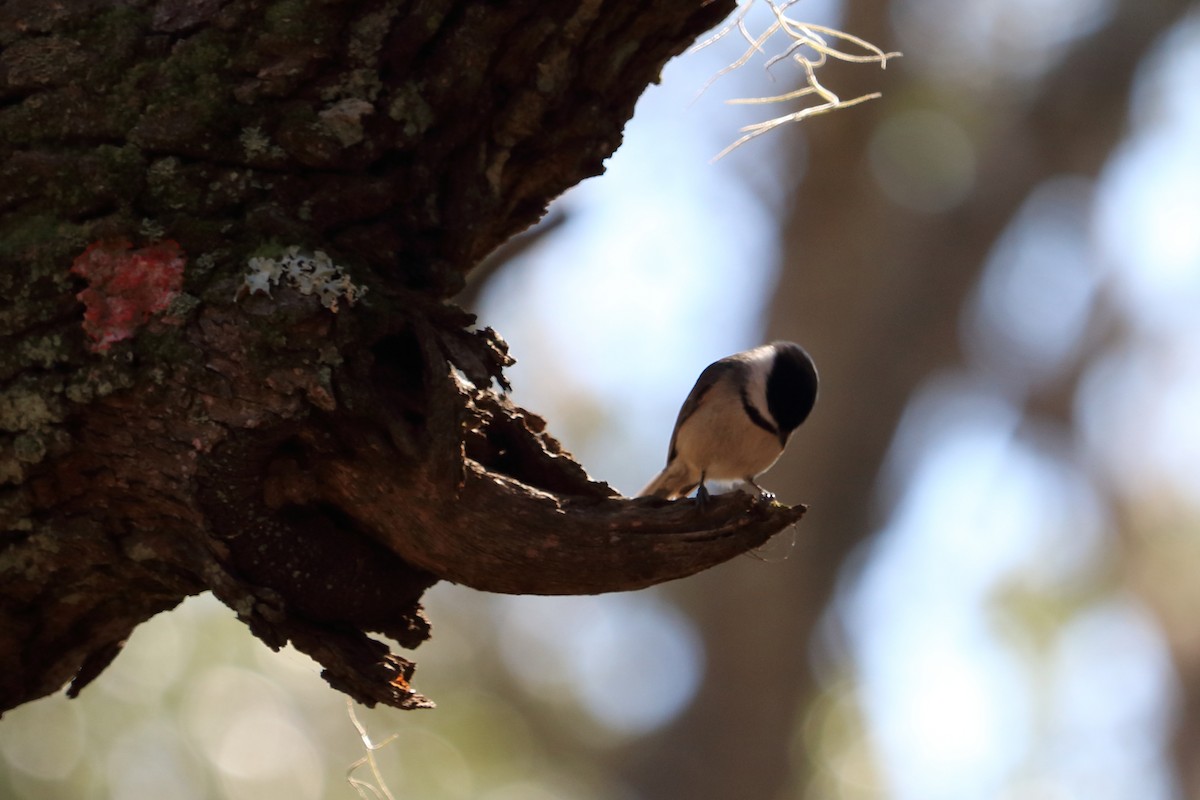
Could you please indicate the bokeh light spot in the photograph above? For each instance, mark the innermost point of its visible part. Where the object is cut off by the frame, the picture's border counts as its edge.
(1030, 313)
(151, 761)
(631, 661)
(43, 739)
(247, 728)
(923, 161)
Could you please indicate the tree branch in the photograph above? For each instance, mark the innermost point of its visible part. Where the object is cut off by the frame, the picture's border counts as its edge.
(514, 538)
(344, 518)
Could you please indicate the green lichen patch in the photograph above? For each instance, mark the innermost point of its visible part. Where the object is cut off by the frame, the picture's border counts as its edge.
(29, 448)
(195, 64)
(112, 36)
(407, 105)
(42, 243)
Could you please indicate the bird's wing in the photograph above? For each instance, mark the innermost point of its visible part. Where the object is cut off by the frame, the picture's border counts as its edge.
(711, 374)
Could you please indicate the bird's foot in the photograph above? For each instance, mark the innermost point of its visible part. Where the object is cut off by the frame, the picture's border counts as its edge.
(763, 495)
(702, 497)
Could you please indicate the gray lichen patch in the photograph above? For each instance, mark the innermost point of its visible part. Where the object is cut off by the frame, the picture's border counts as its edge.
(29, 405)
(409, 107)
(151, 229)
(367, 34)
(254, 141)
(344, 120)
(86, 386)
(257, 145)
(43, 351)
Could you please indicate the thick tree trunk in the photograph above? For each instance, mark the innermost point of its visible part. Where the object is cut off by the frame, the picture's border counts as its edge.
(226, 410)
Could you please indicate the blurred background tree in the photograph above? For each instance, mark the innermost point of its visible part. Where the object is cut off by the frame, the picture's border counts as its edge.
(996, 268)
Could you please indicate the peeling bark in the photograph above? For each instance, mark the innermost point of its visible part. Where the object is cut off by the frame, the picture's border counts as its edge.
(317, 471)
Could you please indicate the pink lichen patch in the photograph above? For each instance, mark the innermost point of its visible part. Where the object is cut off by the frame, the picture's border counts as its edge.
(126, 287)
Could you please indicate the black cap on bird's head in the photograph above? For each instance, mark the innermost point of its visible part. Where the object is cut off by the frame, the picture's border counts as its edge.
(791, 387)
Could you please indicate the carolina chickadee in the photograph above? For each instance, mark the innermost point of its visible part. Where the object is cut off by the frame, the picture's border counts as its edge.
(737, 419)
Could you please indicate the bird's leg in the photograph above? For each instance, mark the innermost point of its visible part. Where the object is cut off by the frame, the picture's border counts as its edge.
(763, 494)
(702, 496)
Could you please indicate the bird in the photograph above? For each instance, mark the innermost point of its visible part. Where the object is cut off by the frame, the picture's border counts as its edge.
(736, 421)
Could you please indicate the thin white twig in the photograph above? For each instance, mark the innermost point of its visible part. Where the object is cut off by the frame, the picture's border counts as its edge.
(379, 789)
(809, 45)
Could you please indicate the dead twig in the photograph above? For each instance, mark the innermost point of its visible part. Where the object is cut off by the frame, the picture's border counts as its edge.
(808, 45)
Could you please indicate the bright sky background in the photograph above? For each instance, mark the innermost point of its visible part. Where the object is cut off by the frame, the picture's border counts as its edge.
(620, 326)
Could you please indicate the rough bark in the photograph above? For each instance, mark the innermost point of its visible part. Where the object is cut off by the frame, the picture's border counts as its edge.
(180, 431)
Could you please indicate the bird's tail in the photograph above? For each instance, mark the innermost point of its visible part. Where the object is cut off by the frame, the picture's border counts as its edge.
(674, 481)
